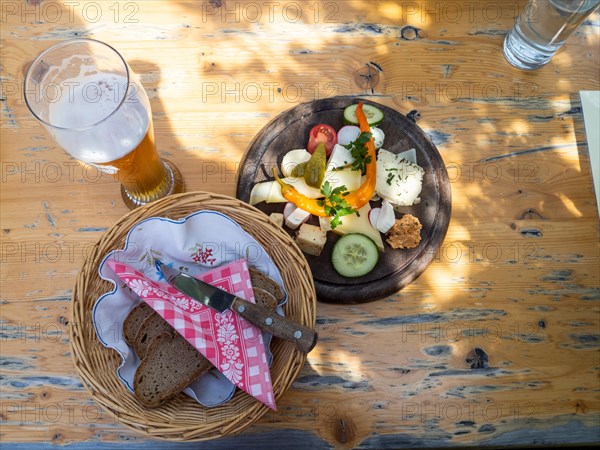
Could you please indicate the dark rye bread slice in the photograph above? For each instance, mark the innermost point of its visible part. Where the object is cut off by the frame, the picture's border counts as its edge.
(264, 299)
(152, 327)
(262, 281)
(170, 365)
(133, 321)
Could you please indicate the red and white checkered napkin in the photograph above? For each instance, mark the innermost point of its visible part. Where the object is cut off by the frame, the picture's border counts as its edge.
(232, 344)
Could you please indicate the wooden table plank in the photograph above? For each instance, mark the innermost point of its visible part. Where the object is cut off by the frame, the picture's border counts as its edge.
(513, 291)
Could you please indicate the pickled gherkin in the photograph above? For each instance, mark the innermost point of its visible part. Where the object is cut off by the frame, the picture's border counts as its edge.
(299, 169)
(314, 172)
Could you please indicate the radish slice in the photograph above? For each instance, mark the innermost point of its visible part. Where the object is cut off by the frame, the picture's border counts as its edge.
(378, 136)
(374, 216)
(386, 218)
(288, 209)
(296, 218)
(347, 134)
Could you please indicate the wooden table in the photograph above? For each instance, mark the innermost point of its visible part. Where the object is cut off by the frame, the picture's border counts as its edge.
(495, 344)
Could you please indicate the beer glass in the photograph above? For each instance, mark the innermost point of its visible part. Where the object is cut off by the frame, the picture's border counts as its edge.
(85, 94)
(542, 29)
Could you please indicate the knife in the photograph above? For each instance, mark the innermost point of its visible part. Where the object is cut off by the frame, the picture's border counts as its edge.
(304, 338)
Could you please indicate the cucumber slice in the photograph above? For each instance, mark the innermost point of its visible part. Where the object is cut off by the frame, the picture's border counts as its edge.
(354, 255)
(374, 115)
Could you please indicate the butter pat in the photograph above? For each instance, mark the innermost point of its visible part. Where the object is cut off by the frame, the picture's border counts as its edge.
(311, 239)
(277, 218)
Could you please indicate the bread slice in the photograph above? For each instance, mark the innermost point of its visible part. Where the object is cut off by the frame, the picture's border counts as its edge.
(264, 299)
(152, 327)
(134, 320)
(262, 281)
(171, 363)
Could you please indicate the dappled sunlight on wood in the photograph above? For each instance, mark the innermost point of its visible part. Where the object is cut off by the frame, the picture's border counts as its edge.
(346, 365)
(459, 232)
(519, 126)
(567, 151)
(445, 278)
(562, 58)
(569, 205)
(391, 10)
(463, 195)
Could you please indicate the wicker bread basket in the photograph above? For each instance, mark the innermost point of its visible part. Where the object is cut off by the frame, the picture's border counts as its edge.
(182, 419)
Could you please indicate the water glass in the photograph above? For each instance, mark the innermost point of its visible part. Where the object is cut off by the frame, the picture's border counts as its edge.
(542, 29)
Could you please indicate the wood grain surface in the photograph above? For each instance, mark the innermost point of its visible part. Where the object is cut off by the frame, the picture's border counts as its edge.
(496, 343)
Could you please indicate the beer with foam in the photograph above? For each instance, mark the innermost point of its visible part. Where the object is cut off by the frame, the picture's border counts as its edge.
(90, 102)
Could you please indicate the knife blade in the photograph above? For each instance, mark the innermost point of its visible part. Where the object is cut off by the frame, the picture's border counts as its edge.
(304, 338)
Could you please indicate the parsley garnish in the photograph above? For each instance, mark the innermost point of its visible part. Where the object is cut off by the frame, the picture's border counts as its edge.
(334, 203)
(359, 151)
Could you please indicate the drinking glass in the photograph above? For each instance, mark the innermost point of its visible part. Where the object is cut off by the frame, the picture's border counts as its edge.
(542, 29)
(87, 97)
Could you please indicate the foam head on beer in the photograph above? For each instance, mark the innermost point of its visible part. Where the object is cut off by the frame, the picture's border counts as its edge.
(86, 96)
(96, 120)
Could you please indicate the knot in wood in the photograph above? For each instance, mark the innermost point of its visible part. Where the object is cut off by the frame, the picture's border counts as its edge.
(344, 430)
(410, 33)
(477, 359)
(368, 77)
(530, 213)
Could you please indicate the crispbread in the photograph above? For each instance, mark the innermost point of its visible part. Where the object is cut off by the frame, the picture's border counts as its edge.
(171, 363)
(262, 281)
(134, 321)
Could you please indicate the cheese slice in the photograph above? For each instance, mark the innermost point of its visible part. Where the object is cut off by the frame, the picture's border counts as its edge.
(359, 223)
(347, 177)
(340, 156)
(275, 195)
(398, 180)
(302, 187)
(260, 192)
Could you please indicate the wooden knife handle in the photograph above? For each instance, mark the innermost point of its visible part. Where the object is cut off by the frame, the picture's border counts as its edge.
(268, 320)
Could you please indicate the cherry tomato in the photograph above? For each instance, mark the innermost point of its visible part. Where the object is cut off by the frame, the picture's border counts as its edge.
(321, 133)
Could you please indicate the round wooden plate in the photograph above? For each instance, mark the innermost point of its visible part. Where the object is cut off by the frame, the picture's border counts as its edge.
(396, 268)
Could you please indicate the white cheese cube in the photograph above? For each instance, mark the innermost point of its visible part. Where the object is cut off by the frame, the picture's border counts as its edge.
(325, 223)
(311, 239)
(277, 218)
(296, 218)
